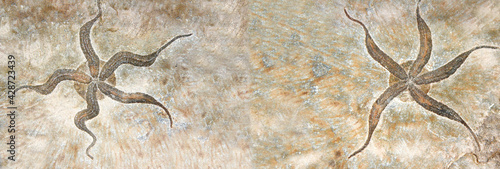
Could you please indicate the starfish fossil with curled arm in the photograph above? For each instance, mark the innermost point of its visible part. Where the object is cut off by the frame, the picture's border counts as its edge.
(97, 79)
(412, 79)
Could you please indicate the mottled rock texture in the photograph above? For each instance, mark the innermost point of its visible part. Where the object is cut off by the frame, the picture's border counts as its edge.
(259, 84)
(315, 83)
(203, 80)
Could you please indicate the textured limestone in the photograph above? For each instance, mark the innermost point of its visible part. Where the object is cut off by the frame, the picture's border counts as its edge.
(260, 84)
(202, 79)
(306, 116)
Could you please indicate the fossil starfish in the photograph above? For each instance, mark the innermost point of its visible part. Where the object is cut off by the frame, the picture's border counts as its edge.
(412, 79)
(97, 79)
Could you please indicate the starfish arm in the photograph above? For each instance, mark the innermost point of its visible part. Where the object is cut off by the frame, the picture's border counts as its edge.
(58, 76)
(133, 59)
(88, 51)
(377, 108)
(439, 108)
(448, 69)
(137, 97)
(379, 56)
(425, 47)
(87, 114)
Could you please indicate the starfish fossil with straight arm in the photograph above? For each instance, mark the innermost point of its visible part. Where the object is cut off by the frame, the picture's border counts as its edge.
(412, 79)
(97, 79)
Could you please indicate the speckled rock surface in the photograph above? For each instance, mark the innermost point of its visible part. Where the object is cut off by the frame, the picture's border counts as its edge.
(202, 79)
(260, 84)
(315, 84)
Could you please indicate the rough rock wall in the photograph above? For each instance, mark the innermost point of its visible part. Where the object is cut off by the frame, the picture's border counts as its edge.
(260, 84)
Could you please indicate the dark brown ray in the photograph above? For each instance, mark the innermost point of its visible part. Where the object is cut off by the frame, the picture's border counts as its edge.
(439, 108)
(89, 113)
(137, 97)
(448, 69)
(58, 76)
(86, 45)
(133, 59)
(425, 47)
(379, 56)
(377, 108)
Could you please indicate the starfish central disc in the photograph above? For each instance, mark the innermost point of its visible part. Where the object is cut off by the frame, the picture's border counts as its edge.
(405, 96)
(82, 88)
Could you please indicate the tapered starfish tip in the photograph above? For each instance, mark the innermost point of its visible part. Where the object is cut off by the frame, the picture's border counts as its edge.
(357, 151)
(473, 135)
(168, 114)
(169, 117)
(355, 20)
(347, 14)
(92, 158)
(352, 155)
(177, 37)
(94, 139)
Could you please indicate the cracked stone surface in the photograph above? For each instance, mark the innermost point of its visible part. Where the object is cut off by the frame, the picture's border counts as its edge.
(260, 84)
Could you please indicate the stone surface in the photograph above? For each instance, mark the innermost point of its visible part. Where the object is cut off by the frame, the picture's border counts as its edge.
(202, 79)
(260, 84)
(303, 120)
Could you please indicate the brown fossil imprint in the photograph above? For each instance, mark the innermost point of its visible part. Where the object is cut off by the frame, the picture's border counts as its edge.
(413, 80)
(97, 81)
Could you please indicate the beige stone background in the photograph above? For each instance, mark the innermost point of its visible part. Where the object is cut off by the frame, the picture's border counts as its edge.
(202, 79)
(260, 84)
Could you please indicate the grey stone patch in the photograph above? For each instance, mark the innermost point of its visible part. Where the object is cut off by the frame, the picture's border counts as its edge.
(143, 138)
(320, 69)
(318, 58)
(314, 89)
(294, 41)
(268, 62)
